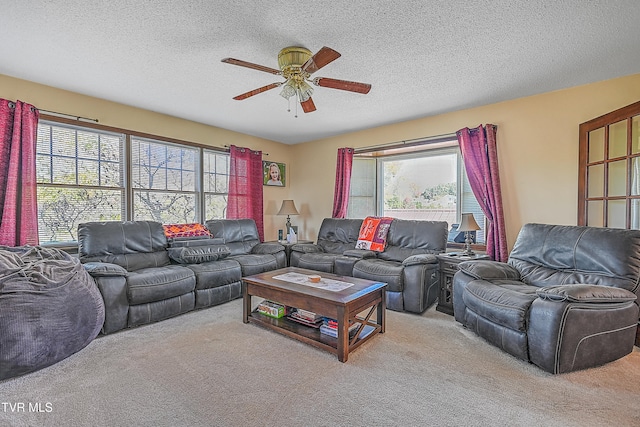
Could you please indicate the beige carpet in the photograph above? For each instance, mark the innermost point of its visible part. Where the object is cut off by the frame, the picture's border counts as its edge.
(207, 368)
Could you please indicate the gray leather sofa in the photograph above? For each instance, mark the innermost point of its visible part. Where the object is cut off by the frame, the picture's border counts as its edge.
(566, 299)
(143, 280)
(408, 264)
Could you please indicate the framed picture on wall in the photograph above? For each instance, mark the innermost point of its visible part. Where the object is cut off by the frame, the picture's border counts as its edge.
(274, 174)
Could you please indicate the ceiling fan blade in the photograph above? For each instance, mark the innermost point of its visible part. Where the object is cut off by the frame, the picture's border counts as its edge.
(256, 91)
(251, 65)
(308, 106)
(342, 85)
(320, 59)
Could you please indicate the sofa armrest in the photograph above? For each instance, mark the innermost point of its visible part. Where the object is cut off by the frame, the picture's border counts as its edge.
(585, 293)
(359, 253)
(489, 270)
(267, 248)
(306, 248)
(104, 269)
(420, 259)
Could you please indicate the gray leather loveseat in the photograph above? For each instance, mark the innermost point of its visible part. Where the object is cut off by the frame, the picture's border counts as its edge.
(408, 264)
(143, 280)
(566, 299)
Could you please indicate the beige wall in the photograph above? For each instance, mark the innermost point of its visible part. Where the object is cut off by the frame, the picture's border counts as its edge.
(537, 146)
(130, 118)
(537, 151)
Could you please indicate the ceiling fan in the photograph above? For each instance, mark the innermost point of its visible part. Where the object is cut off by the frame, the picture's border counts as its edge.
(296, 66)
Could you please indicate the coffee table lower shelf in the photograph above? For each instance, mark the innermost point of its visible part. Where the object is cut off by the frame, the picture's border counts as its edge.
(310, 335)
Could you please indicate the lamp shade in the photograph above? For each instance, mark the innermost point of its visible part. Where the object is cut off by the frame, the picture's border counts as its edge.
(468, 223)
(288, 208)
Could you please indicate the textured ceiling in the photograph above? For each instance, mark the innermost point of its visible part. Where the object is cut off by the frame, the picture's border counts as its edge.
(421, 57)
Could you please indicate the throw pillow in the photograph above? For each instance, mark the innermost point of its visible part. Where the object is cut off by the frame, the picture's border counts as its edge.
(373, 233)
(198, 254)
(175, 231)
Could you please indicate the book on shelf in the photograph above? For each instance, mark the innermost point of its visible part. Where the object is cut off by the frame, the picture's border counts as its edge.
(330, 327)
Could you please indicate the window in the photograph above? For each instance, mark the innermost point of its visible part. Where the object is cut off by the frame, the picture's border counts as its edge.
(84, 175)
(216, 184)
(163, 178)
(430, 184)
(609, 180)
(80, 178)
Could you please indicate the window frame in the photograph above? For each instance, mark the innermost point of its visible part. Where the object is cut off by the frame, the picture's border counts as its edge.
(126, 166)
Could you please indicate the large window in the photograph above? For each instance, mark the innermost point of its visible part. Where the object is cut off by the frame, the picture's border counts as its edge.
(423, 185)
(84, 175)
(80, 178)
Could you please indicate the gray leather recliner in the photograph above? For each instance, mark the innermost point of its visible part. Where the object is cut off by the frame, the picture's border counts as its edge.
(566, 299)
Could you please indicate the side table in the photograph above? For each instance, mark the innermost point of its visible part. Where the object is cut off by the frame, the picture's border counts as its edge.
(448, 263)
(287, 247)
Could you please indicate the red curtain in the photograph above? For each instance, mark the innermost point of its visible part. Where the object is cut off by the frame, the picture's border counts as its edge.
(245, 186)
(480, 157)
(343, 181)
(18, 204)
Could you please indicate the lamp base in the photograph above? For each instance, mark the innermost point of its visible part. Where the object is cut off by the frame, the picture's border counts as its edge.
(467, 245)
(288, 225)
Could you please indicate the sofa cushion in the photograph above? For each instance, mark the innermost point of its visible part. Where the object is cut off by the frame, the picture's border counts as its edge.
(318, 261)
(390, 272)
(255, 264)
(198, 254)
(215, 274)
(373, 233)
(586, 293)
(156, 284)
(504, 304)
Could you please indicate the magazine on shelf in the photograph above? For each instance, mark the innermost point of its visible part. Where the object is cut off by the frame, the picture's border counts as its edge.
(330, 327)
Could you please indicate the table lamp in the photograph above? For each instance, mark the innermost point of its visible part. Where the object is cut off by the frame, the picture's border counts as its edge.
(288, 208)
(468, 224)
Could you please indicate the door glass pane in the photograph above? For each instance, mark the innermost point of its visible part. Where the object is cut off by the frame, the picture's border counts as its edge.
(635, 176)
(617, 214)
(596, 145)
(635, 135)
(635, 214)
(595, 213)
(618, 178)
(618, 139)
(595, 186)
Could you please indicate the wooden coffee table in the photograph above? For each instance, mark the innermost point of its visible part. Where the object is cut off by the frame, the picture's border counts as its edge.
(355, 303)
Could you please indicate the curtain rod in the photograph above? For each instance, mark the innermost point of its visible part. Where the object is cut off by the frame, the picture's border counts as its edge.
(407, 143)
(228, 146)
(68, 116)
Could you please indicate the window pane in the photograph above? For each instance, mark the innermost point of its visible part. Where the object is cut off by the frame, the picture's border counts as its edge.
(635, 214)
(618, 140)
(61, 209)
(618, 178)
(362, 192)
(617, 214)
(635, 176)
(164, 207)
(595, 187)
(596, 145)
(215, 206)
(422, 188)
(635, 135)
(595, 213)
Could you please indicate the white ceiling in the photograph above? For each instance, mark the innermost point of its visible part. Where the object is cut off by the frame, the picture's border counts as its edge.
(422, 58)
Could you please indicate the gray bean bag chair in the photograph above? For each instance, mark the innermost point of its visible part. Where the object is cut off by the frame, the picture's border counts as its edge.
(50, 308)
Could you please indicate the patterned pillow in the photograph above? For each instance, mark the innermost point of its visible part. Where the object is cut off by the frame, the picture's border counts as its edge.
(373, 233)
(176, 231)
